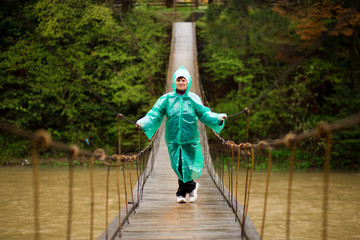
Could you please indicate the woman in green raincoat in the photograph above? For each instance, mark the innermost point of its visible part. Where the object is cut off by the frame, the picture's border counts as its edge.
(182, 110)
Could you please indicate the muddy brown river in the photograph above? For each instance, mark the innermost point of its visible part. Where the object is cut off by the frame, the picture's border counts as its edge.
(16, 202)
(17, 221)
(306, 205)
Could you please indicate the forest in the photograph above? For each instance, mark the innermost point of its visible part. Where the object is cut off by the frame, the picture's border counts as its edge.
(71, 66)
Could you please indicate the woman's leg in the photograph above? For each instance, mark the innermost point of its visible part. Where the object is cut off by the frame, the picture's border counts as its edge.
(187, 187)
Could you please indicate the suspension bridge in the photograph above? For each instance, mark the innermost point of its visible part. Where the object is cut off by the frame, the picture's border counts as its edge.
(158, 216)
(151, 211)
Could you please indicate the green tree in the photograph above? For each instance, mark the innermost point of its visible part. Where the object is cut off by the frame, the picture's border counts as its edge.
(78, 65)
(245, 46)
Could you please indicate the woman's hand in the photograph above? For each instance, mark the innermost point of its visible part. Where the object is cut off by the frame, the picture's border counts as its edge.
(223, 117)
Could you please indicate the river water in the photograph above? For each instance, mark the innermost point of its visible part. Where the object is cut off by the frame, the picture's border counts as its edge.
(16, 202)
(306, 204)
(17, 221)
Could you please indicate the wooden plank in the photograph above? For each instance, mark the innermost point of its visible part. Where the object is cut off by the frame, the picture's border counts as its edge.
(158, 215)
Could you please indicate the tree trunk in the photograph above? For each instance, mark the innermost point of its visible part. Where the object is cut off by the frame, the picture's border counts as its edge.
(355, 60)
(126, 5)
(196, 2)
(169, 3)
(354, 48)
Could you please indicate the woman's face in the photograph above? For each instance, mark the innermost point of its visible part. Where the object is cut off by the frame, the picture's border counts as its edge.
(181, 83)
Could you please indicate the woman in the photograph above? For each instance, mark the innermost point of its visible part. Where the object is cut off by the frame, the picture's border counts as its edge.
(182, 110)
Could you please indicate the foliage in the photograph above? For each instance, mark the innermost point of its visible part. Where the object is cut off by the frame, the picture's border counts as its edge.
(314, 19)
(245, 48)
(70, 66)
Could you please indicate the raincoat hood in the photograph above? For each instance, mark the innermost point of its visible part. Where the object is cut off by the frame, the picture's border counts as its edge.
(182, 72)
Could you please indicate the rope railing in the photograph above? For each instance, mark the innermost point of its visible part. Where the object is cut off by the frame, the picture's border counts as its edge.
(41, 139)
(247, 150)
(291, 140)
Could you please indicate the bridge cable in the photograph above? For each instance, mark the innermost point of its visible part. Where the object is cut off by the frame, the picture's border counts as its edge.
(222, 162)
(230, 171)
(117, 172)
(119, 134)
(251, 172)
(247, 188)
(328, 137)
(266, 192)
(293, 146)
(98, 154)
(237, 181)
(247, 191)
(126, 200)
(247, 124)
(91, 166)
(71, 186)
(131, 189)
(107, 202)
(337, 125)
(122, 116)
(137, 169)
(137, 175)
(119, 202)
(232, 174)
(36, 191)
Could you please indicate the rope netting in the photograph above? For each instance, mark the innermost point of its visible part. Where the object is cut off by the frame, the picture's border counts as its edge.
(41, 139)
(223, 156)
(226, 149)
(246, 150)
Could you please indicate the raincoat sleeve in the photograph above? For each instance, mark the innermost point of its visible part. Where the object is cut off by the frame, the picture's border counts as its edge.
(213, 120)
(153, 119)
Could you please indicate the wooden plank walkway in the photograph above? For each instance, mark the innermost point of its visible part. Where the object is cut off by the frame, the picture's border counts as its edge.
(159, 216)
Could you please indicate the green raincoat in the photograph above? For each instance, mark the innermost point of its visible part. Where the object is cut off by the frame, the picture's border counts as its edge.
(181, 128)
